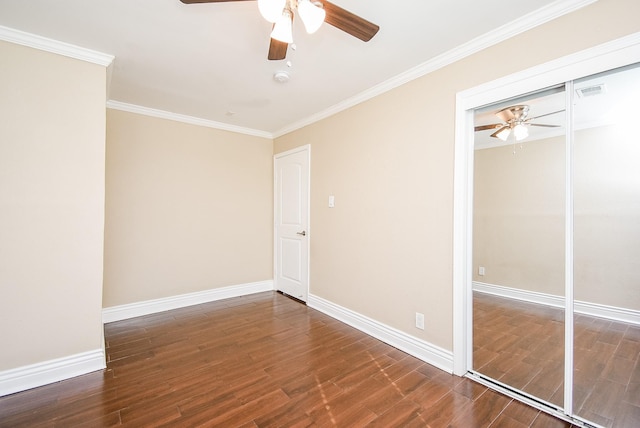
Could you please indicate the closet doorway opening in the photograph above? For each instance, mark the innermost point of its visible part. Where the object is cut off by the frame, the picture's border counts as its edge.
(549, 289)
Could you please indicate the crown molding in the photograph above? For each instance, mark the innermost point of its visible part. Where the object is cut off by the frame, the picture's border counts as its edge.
(162, 114)
(500, 34)
(54, 46)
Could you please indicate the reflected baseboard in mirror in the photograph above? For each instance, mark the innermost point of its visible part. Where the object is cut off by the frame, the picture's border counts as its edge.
(522, 344)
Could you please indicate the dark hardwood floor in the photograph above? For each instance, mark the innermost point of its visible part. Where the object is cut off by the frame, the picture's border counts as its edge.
(262, 360)
(522, 344)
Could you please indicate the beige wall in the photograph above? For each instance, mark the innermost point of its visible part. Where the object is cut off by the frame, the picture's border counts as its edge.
(188, 209)
(385, 250)
(519, 216)
(607, 216)
(52, 144)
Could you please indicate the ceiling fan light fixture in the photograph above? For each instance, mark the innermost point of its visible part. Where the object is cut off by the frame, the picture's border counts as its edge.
(520, 131)
(271, 10)
(503, 133)
(283, 30)
(312, 15)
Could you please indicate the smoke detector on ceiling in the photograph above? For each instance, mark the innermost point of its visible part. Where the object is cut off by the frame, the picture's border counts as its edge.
(281, 76)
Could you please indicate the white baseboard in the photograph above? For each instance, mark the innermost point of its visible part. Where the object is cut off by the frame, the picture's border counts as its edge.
(34, 375)
(609, 312)
(425, 351)
(131, 310)
(517, 294)
(586, 308)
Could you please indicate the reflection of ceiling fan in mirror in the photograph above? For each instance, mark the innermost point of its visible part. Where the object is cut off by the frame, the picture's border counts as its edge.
(515, 119)
(312, 13)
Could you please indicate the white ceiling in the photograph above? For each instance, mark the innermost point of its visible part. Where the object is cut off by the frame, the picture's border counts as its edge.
(208, 60)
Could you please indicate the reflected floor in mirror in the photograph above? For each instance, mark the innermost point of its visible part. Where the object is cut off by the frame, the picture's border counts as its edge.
(260, 361)
(522, 344)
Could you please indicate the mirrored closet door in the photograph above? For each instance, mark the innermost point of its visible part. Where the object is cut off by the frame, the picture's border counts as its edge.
(556, 247)
(519, 244)
(606, 248)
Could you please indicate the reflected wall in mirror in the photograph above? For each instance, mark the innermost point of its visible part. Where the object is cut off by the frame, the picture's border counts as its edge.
(519, 245)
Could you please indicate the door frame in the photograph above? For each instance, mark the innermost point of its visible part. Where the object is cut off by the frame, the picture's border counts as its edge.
(306, 148)
(607, 56)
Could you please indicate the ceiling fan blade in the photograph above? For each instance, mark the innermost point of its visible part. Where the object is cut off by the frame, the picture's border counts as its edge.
(349, 22)
(277, 50)
(485, 127)
(544, 126)
(546, 114)
(209, 1)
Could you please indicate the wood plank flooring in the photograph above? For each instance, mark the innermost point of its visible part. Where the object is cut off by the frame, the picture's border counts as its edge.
(260, 361)
(522, 345)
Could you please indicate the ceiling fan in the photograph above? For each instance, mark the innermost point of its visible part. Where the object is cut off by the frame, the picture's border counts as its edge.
(312, 13)
(515, 119)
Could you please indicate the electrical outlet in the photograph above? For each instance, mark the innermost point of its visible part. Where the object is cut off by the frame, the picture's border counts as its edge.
(481, 271)
(419, 320)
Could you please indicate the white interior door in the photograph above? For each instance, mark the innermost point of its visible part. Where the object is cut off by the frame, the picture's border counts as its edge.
(291, 192)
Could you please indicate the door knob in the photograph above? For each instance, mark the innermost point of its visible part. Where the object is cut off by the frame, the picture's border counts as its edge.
(303, 233)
